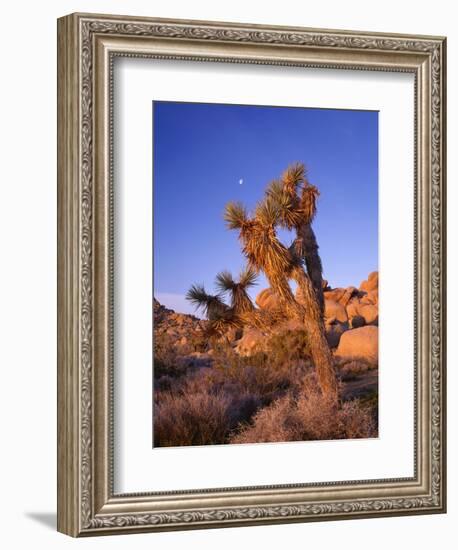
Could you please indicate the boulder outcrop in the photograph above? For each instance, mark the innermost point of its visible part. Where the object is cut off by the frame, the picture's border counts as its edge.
(350, 317)
(371, 283)
(359, 343)
(182, 329)
(334, 311)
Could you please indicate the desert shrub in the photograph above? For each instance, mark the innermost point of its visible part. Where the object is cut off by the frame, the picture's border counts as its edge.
(267, 373)
(270, 424)
(165, 355)
(288, 347)
(194, 419)
(203, 417)
(167, 360)
(370, 401)
(309, 416)
(278, 365)
(279, 349)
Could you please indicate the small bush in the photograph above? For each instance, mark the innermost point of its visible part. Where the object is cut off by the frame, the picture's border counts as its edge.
(370, 401)
(195, 419)
(266, 374)
(198, 413)
(288, 347)
(284, 356)
(166, 357)
(310, 416)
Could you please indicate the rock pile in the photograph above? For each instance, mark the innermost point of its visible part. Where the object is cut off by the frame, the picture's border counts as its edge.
(184, 330)
(351, 319)
(351, 312)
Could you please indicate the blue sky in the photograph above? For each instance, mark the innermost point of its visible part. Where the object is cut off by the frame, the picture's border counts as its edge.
(201, 152)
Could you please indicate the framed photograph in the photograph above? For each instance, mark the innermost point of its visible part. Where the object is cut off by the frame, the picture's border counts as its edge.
(251, 290)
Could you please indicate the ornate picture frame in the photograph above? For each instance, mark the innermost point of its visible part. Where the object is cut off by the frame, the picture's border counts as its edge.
(87, 46)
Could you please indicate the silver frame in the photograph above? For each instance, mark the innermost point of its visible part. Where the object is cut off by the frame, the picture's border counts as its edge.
(87, 45)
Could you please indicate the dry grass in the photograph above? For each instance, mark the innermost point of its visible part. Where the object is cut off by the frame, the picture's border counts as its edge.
(199, 416)
(310, 416)
(270, 396)
(350, 370)
(194, 419)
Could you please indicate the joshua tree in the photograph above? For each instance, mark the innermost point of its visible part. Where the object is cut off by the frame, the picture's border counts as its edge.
(291, 203)
(221, 316)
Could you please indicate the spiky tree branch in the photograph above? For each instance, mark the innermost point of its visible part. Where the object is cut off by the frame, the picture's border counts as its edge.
(212, 305)
(296, 199)
(238, 290)
(235, 215)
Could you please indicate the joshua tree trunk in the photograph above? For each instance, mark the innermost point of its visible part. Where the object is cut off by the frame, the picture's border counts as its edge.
(307, 309)
(314, 327)
(309, 249)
